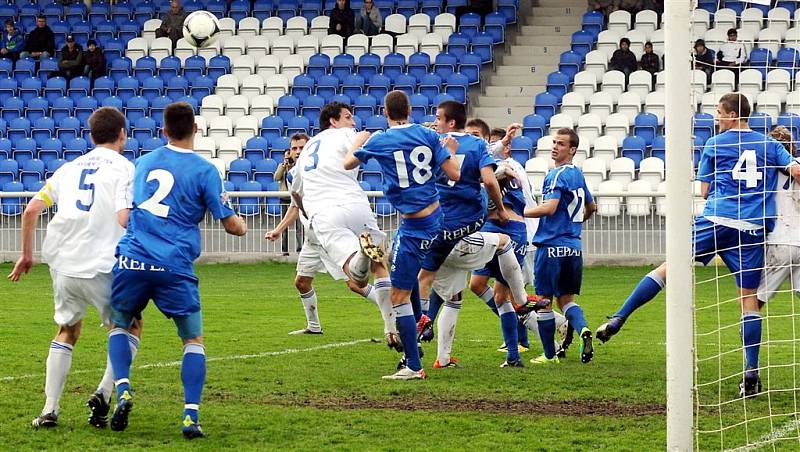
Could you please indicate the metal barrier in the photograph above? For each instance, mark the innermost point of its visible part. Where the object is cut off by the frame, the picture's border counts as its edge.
(628, 228)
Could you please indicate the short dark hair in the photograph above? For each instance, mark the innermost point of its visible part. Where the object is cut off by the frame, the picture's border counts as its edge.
(574, 139)
(105, 125)
(41, 16)
(700, 42)
(299, 136)
(91, 42)
(481, 124)
(736, 102)
(330, 111)
(648, 43)
(397, 105)
(179, 120)
(454, 111)
(625, 41)
(732, 31)
(498, 131)
(9, 22)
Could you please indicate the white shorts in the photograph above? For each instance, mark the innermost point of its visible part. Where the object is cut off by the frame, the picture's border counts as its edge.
(337, 230)
(781, 262)
(470, 253)
(73, 295)
(527, 270)
(313, 259)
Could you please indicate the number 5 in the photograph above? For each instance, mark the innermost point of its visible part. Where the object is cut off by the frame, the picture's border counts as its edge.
(82, 185)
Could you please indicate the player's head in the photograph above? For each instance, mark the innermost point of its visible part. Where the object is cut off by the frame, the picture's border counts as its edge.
(497, 134)
(733, 108)
(179, 123)
(784, 135)
(396, 106)
(107, 127)
(451, 116)
(336, 115)
(478, 127)
(296, 144)
(565, 144)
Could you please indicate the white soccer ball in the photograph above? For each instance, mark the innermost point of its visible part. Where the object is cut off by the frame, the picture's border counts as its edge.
(201, 29)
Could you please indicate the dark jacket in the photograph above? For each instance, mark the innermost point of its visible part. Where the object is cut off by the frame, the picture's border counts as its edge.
(95, 61)
(41, 40)
(705, 60)
(650, 62)
(344, 17)
(71, 59)
(623, 59)
(14, 43)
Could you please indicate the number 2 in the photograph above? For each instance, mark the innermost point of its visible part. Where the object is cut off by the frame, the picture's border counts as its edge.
(751, 175)
(314, 156)
(153, 204)
(84, 186)
(576, 207)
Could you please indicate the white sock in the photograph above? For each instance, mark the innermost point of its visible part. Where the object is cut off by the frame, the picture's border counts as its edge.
(487, 294)
(106, 385)
(59, 360)
(560, 320)
(370, 294)
(425, 304)
(383, 292)
(531, 323)
(512, 273)
(359, 266)
(446, 330)
(309, 300)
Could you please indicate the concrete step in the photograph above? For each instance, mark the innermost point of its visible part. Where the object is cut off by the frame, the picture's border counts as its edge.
(572, 21)
(544, 31)
(543, 40)
(580, 5)
(499, 121)
(530, 60)
(516, 101)
(526, 71)
(538, 78)
(558, 11)
(514, 91)
(536, 51)
(499, 112)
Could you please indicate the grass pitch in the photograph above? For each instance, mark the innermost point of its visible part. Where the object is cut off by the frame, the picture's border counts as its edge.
(267, 390)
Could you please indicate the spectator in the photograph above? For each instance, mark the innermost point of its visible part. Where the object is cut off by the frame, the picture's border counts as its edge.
(172, 23)
(12, 43)
(342, 19)
(41, 42)
(732, 53)
(703, 59)
(650, 62)
(479, 7)
(631, 6)
(71, 63)
(623, 59)
(603, 6)
(369, 20)
(95, 61)
(284, 175)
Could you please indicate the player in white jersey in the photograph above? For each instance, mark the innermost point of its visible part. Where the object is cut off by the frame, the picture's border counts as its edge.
(339, 212)
(93, 194)
(782, 260)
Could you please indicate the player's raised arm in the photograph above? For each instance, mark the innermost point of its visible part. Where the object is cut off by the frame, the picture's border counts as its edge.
(351, 161)
(493, 190)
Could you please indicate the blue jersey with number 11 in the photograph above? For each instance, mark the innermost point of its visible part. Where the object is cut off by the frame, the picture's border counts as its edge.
(172, 189)
(409, 155)
(563, 228)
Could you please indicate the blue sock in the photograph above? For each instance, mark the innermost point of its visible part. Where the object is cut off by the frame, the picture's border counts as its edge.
(546, 322)
(193, 376)
(574, 315)
(119, 353)
(751, 334)
(522, 335)
(645, 291)
(509, 322)
(407, 327)
(416, 305)
(488, 297)
(435, 303)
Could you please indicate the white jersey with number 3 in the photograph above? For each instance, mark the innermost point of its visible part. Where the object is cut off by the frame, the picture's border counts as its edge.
(326, 184)
(89, 191)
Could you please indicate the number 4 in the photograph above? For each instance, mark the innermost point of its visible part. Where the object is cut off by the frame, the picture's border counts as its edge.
(751, 175)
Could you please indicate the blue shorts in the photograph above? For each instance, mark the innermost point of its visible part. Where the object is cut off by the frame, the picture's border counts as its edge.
(518, 233)
(450, 235)
(410, 246)
(742, 251)
(558, 270)
(176, 295)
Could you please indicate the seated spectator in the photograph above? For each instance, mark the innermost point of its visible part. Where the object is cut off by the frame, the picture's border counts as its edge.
(172, 23)
(95, 61)
(71, 62)
(603, 6)
(479, 7)
(732, 53)
(631, 6)
(650, 62)
(703, 59)
(342, 19)
(623, 59)
(12, 43)
(369, 20)
(41, 42)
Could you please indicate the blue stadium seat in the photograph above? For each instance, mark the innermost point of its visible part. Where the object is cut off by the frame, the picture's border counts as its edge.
(790, 5)
(264, 171)
(286, 9)
(53, 165)
(8, 88)
(68, 129)
(157, 107)
(61, 108)
(593, 22)
(79, 87)
(169, 68)
(311, 109)
(343, 99)
(24, 68)
(368, 65)
(469, 24)
(120, 68)
(508, 8)
(482, 45)
(239, 172)
(131, 151)
(298, 124)
(457, 85)
(114, 48)
(9, 171)
(84, 107)
(365, 106)
(327, 86)
(191, 6)
(372, 174)
(645, 125)
(703, 126)
(375, 123)
(303, 86)
(50, 149)
(54, 88)
(153, 87)
(379, 85)
(430, 85)
(570, 63)
(25, 149)
(432, 8)
(343, 65)
(12, 206)
(319, 64)
(789, 59)
(218, 66)
(445, 64)
(458, 44)
(419, 106)
(115, 102)
(128, 30)
(353, 86)
(255, 149)
(201, 87)
(143, 12)
(75, 148)
(470, 66)
(144, 68)
(406, 83)
(278, 147)
(558, 84)
(759, 122)
(100, 12)
(218, 8)
(288, 107)
(407, 7)
(761, 59)
(191, 101)
(127, 88)
(545, 105)
(13, 107)
(792, 122)
(394, 64)
(582, 42)
(18, 128)
(438, 99)
(239, 9)
(42, 129)
(177, 87)
(534, 127)
(143, 129)
(419, 64)
(47, 67)
(31, 173)
(136, 107)
(152, 143)
(262, 9)
(494, 26)
(104, 31)
(31, 87)
(521, 149)
(36, 108)
(6, 67)
(634, 148)
(736, 5)
(194, 66)
(272, 127)
(2, 127)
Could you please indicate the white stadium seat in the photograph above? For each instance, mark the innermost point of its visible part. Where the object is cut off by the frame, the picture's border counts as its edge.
(779, 19)
(605, 150)
(227, 86)
(715, 37)
(220, 127)
(560, 121)
(608, 42)
(206, 147)
(227, 28)
(258, 46)
(277, 86)
(770, 39)
(137, 48)
(431, 44)
(543, 147)
(701, 22)
(228, 148)
(594, 172)
(444, 24)
(657, 39)
(419, 25)
(614, 84)
(296, 27)
(237, 106)
(622, 170)
(252, 85)
(160, 48)
(357, 45)
(332, 45)
(272, 27)
(779, 81)
(184, 50)
(202, 125)
(618, 126)
(630, 105)
(283, 46)
(646, 22)
(601, 104)
(308, 45)
(243, 65)
(537, 169)
(651, 170)
(619, 21)
(699, 80)
(268, 65)
(395, 23)
(248, 27)
(382, 45)
(149, 29)
(637, 38)
(638, 206)
(245, 128)
(292, 66)
(769, 103)
(585, 83)
(752, 19)
(596, 63)
(793, 102)
(262, 106)
(319, 26)
(589, 128)
(212, 106)
(209, 52)
(725, 18)
(723, 80)
(573, 104)
(655, 103)
(750, 82)
(407, 45)
(641, 83)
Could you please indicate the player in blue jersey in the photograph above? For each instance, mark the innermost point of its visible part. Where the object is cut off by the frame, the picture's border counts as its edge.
(739, 174)
(566, 204)
(410, 156)
(173, 188)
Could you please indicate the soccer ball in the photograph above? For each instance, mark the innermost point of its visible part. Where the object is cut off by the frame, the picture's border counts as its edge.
(201, 29)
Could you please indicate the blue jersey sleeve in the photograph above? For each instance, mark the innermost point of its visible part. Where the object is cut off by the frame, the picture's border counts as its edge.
(705, 169)
(440, 154)
(553, 185)
(215, 197)
(485, 158)
(367, 151)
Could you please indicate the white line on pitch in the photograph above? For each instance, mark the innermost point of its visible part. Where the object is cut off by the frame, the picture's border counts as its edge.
(769, 438)
(287, 351)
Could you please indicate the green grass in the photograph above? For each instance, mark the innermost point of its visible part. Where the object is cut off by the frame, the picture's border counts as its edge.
(313, 395)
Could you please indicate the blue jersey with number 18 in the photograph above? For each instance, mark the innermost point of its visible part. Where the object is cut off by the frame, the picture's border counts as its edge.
(172, 189)
(563, 228)
(410, 156)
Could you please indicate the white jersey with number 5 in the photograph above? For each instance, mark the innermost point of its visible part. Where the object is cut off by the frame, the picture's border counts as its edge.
(326, 184)
(89, 191)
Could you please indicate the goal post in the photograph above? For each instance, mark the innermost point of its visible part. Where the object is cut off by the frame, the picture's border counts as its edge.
(679, 169)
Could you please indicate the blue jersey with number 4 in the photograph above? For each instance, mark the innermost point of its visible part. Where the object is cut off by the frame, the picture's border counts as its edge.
(410, 155)
(742, 166)
(172, 189)
(563, 228)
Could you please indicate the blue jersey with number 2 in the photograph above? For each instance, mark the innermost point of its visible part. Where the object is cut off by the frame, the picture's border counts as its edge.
(171, 192)
(563, 228)
(410, 156)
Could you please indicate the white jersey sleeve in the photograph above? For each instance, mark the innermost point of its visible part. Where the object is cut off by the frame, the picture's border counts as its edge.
(530, 202)
(787, 208)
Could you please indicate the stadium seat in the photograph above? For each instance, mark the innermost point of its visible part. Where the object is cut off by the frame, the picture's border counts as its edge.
(634, 148)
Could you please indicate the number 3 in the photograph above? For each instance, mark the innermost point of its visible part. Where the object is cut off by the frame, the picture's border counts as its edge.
(165, 182)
